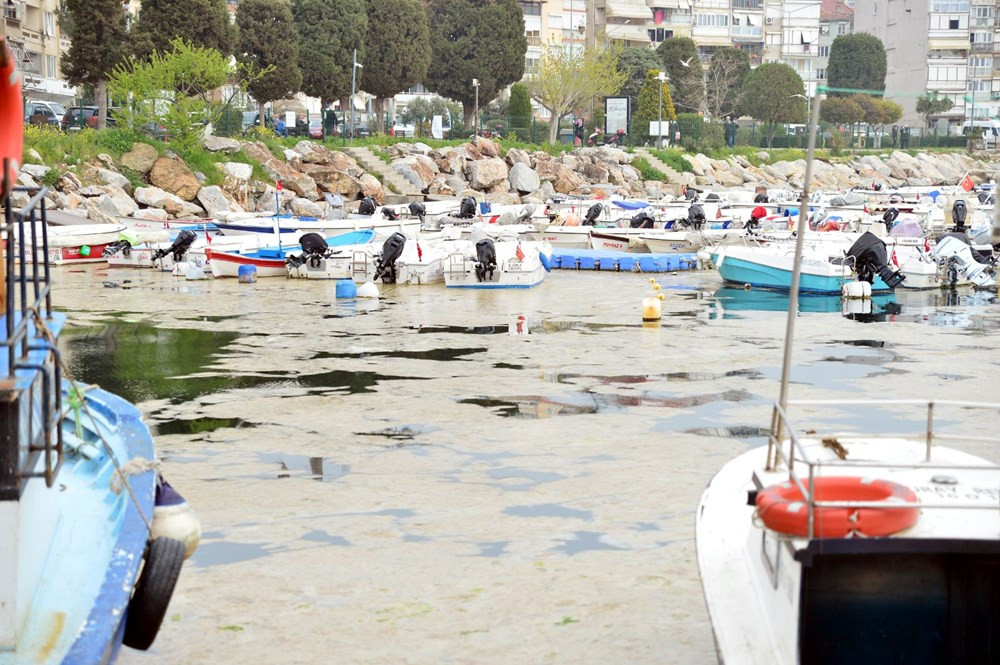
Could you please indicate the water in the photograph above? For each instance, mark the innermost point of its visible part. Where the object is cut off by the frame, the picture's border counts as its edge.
(409, 480)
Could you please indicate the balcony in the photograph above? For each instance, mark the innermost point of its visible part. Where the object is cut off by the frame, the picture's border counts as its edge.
(981, 22)
(981, 46)
(980, 72)
(755, 5)
(746, 32)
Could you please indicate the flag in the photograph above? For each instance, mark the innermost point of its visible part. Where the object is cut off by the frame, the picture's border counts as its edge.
(420, 253)
(967, 183)
(208, 238)
(718, 213)
(278, 186)
(927, 245)
(895, 261)
(519, 254)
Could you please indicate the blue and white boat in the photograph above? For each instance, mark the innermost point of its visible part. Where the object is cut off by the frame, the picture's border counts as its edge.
(771, 266)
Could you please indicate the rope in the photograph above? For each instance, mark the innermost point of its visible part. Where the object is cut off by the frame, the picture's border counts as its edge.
(121, 479)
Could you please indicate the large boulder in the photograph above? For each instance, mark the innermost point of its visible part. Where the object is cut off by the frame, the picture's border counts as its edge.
(370, 186)
(306, 208)
(154, 197)
(238, 170)
(518, 156)
(440, 187)
(266, 201)
(314, 153)
(220, 144)
(114, 203)
(99, 212)
(153, 214)
(140, 159)
(522, 178)
(300, 183)
(595, 173)
(257, 151)
(418, 169)
(486, 173)
(567, 182)
(109, 177)
(448, 160)
(35, 170)
(338, 182)
(172, 175)
(216, 200)
(487, 147)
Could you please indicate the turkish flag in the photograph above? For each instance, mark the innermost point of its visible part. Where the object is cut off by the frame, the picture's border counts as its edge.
(519, 254)
(278, 186)
(967, 183)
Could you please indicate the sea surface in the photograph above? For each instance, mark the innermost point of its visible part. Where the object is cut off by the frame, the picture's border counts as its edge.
(488, 477)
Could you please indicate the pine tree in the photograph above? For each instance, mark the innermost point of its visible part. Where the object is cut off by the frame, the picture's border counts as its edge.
(648, 109)
(267, 39)
(680, 58)
(198, 22)
(329, 31)
(99, 36)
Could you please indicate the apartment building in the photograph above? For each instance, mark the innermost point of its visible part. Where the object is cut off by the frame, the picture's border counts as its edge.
(943, 47)
(32, 32)
(836, 18)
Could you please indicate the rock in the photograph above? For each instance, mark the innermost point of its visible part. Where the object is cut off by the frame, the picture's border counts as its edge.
(567, 182)
(370, 186)
(440, 187)
(97, 214)
(421, 148)
(697, 166)
(570, 162)
(172, 175)
(238, 170)
(545, 192)
(25, 180)
(266, 201)
(220, 144)
(523, 178)
(256, 151)
(300, 183)
(485, 173)
(140, 159)
(200, 177)
(109, 177)
(116, 203)
(456, 183)
(216, 200)
(18, 200)
(337, 182)
(423, 166)
(154, 214)
(35, 157)
(486, 147)
(518, 156)
(763, 156)
(154, 197)
(448, 161)
(595, 173)
(504, 198)
(307, 208)
(38, 171)
(106, 159)
(93, 190)
(239, 189)
(630, 173)
(312, 153)
(612, 155)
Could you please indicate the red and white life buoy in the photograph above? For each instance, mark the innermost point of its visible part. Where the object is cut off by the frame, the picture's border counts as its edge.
(782, 508)
(11, 113)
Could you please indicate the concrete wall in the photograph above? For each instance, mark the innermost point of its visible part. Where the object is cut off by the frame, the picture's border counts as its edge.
(902, 27)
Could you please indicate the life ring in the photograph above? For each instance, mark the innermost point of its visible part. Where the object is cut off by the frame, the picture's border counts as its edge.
(152, 592)
(782, 508)
(11, 114)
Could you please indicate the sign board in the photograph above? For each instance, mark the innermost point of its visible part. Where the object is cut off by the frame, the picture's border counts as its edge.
(437, 127)
(289, 119)
(616, 114)
(659, 128)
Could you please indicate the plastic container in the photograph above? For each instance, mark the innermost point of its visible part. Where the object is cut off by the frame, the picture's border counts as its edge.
(346, 289)
(247, 274)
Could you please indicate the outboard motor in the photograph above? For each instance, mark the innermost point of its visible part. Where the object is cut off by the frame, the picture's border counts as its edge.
(761, 198)
(712, 197)
(696, 217)
(367, 206)
(889, 218)
(641, 220)
(527, 212)
(486, 255)
(385, 269)
(757, 214)
(895, 198)
(690, 194)
(390, 214)
(127, 239)
(418, 210)
(959, 211)
(593, 212)
(957, 255)
(314, 249)
(870, 259)
(179, 247)
(467, 208)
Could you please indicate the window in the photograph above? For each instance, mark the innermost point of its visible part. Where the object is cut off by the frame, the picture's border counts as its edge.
(50, 24)
(981, 37)
(659, 34)
(979, 86)
(534, 37)
(51, 69)
(824, 51)
(983, 11)
(959, 7)
(821, 74)
(712, 20)
(531, 65)
(531, 8)
(953, 24)
(841, 28)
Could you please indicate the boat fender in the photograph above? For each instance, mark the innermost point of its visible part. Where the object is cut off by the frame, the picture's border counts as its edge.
(545, 261)
(368, 290)
(164, 558)
(346, 289)
(174, 518)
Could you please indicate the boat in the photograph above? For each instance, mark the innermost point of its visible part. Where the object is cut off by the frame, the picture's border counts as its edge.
(290, 226)
(80, 495)
(66, 245)
(844, 546)
(502, 264)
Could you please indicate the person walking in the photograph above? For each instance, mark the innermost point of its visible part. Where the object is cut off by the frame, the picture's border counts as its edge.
(578, 132)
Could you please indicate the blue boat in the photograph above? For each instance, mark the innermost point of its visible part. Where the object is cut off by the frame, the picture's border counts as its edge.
(771, 268)
(79, 490)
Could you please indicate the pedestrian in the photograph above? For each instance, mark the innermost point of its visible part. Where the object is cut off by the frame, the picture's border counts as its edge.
(895, 135)
(578, 131)
(279, 127)
(730, 130)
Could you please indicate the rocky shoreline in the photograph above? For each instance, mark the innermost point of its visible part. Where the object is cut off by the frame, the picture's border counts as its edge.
(101, 192)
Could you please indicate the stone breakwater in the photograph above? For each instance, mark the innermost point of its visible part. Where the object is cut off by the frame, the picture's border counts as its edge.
(163, 187)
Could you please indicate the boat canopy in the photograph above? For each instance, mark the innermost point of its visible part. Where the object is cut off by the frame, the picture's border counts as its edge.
(631, 205)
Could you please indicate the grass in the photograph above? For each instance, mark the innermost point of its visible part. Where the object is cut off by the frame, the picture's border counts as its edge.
(673, 158)
(648, 172)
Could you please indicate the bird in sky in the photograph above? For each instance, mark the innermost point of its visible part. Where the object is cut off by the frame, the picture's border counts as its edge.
(687, 63)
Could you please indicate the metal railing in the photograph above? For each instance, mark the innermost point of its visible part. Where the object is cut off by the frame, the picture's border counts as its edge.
(28, 349)
(783, 432)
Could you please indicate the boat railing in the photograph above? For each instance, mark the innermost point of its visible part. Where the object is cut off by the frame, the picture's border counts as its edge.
(31, 355)
(783, 434)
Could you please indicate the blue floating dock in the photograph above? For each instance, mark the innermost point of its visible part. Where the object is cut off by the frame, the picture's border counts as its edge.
(606, 260)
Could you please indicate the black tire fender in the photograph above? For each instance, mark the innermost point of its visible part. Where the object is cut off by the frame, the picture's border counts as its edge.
(152, 592)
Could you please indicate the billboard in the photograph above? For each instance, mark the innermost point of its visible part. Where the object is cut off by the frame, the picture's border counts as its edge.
(616, 112)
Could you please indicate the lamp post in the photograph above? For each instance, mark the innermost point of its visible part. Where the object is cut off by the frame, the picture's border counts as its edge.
(475, 84)
(661, 77)
(354, 81)
(808, 103)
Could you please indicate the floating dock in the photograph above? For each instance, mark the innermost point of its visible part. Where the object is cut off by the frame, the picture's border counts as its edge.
(607, 260)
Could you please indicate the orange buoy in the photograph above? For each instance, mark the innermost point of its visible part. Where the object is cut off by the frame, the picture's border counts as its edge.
(11, 112)
(782, 508)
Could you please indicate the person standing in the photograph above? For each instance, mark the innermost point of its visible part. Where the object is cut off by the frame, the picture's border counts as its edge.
(895, 136)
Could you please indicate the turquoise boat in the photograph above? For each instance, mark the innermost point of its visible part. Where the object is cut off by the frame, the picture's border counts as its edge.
(771, 268)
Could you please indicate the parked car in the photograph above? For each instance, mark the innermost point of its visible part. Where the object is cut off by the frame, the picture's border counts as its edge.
(315, 128)
(38, 112)
(78, 117)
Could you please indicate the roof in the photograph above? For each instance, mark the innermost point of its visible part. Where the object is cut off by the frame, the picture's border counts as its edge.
(835, 10)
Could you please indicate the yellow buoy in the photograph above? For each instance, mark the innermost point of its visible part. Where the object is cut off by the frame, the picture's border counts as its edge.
(651, 308)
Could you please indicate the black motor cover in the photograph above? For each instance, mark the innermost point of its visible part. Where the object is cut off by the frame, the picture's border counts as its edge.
(761, 198)
(385, 269)
(641, 220)
(696, 216)
(417, 209)
(486, 255)
(389, 213)
(959, 210)
(593, 212)
(314, 248)
(367, 206)
(180, 245)
(712, 197)
(890, 216)
(123, 246)
(467, 209)
(870, 259)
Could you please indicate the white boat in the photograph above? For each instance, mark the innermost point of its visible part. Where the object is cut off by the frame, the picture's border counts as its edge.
(80, 243)
(672, 242)
(515, 265)
(294, 227)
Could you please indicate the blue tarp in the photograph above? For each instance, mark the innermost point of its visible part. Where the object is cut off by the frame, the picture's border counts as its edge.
(631, 205)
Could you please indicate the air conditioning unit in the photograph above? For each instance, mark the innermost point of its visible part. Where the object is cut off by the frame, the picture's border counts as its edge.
(769, 20)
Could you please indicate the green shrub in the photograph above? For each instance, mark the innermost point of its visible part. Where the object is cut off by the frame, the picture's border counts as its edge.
(50, 178)
(836, 141)
(712, 137)
(648, 172)
(673, 158)
(116, 141)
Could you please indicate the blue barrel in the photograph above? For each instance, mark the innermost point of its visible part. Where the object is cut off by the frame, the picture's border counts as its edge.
(346, 289)
(247, 274)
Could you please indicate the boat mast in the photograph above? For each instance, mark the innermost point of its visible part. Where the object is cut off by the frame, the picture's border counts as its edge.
(800, 232)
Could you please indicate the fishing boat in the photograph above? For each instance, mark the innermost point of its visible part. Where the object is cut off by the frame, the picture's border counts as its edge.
(81, 243)
(290, 226)
(502, 264)
(844, 546)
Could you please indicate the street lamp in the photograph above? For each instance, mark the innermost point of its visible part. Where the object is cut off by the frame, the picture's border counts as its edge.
(354, 81)
(661, 77)
(808, 102)
(475, 84)
(617, 27)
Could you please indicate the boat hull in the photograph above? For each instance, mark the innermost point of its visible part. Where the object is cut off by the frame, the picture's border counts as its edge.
(768, 272)
(227, 264)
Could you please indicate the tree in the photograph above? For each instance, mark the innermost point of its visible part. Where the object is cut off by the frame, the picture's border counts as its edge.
(199, 22)
(568, 79)
(648, 108)
(635, 62)
(328, 32)
(519, 110)
(842, 111)
(397, 47)
(724, 82)
(891, 111)
(769, 96)
(932, 105)
(475, 39)
(264, 46)
(857, 61)
(680, 57)
(99, 37)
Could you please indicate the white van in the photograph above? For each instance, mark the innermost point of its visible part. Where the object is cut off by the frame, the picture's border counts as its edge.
(53, 112)
(991, 133)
